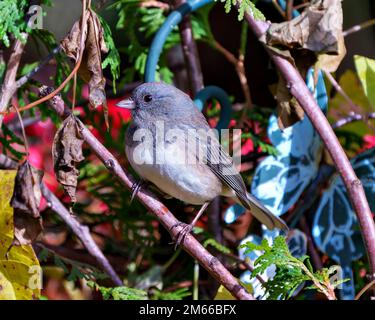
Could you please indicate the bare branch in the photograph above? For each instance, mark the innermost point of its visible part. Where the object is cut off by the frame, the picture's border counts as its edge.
(9, 86)
(352, 118)
(353, 185)
(190, 50)
(82, 232)
(359, 27)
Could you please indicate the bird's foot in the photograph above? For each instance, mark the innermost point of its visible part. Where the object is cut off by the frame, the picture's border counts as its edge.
(136, 187)
(181, 235)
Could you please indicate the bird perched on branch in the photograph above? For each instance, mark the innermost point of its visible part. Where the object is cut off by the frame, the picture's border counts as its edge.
(170, 144)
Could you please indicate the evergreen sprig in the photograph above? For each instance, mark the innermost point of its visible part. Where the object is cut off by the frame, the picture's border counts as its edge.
(245, 6)
(291, 272)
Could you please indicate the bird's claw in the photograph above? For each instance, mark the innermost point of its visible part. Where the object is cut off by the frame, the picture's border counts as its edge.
(135, 189)
(181, 235)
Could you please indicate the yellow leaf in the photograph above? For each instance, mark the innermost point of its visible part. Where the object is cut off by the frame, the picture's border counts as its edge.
(339, 107)
(224, 294)
(20, 270)
(366, 73)
(6, 289)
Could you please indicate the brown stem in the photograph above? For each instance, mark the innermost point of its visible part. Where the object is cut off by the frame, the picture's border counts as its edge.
(289, 9)
(190, 50)
(154, 4)
(82, 232)
(167, 219)
(341, 91)
(9, 86)
(310, 245)
(352, 118)
(241, 73)
(359, 27)
(84, 18)
(364, 289)
(299, 90)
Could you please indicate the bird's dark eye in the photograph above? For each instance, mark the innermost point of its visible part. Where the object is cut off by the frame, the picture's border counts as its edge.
(147, 98)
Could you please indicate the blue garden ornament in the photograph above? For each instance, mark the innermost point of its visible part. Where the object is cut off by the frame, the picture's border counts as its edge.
(156, 48)
(279, 180)
(335, 229)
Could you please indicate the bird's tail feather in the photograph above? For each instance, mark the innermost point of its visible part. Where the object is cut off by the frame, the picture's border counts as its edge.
(265, 216)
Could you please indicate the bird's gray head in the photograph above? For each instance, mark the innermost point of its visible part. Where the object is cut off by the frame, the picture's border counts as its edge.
(157, 101)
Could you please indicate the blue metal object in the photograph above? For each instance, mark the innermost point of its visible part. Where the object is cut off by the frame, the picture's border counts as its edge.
(280, 180)
(335, 229)
(156, 48)
(217, 93)
(174, 18)
(282, 4)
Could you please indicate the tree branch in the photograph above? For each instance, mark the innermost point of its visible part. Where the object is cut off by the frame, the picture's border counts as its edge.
(190, 50)
(82, 232)
(161, 212)
(299, 90)
(352, 118)
(9, 86)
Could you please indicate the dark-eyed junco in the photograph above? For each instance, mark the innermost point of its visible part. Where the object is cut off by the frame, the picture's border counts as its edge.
(170, 144)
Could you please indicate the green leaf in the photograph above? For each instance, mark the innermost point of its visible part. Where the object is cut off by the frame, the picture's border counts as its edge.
(223, 293)
(113, 57)
(291, 272)
(366, 73)
(218, 246)
(245, 6)
(119, 293)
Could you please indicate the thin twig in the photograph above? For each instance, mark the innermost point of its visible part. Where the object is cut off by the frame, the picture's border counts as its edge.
(167, 219)
(154, 4)
(300, 91)
(9, 86)
(359, 27)
(82, 232)
(239, 66)
(190, 50)
(352, 118)
(341, 91)
(69, 77)
(364, 289)
(310, 244)
(289, 9)
(24, 79)
(246, 265)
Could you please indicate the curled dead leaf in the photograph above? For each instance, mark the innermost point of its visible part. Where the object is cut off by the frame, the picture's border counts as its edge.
(66, 153)
(25, 202)
(91, 66)
(314, 38)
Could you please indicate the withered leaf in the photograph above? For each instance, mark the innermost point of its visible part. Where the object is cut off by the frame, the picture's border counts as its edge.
(67, 152)
(313, 38)
(25, 202)
(288, 109)
(91, 66)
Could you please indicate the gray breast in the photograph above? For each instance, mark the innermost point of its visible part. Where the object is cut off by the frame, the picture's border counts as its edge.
(173, 170)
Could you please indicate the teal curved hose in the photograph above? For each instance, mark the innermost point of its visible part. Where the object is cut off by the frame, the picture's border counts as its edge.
(156, 48)
(174, 18)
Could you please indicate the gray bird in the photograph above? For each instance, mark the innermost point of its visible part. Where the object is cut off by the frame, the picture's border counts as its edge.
(194, 175)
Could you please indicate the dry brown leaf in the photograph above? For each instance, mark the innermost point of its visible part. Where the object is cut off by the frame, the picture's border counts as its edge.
(25, 202)
(91, 66)
(288, 109)
(313, 38)
(67, 152)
